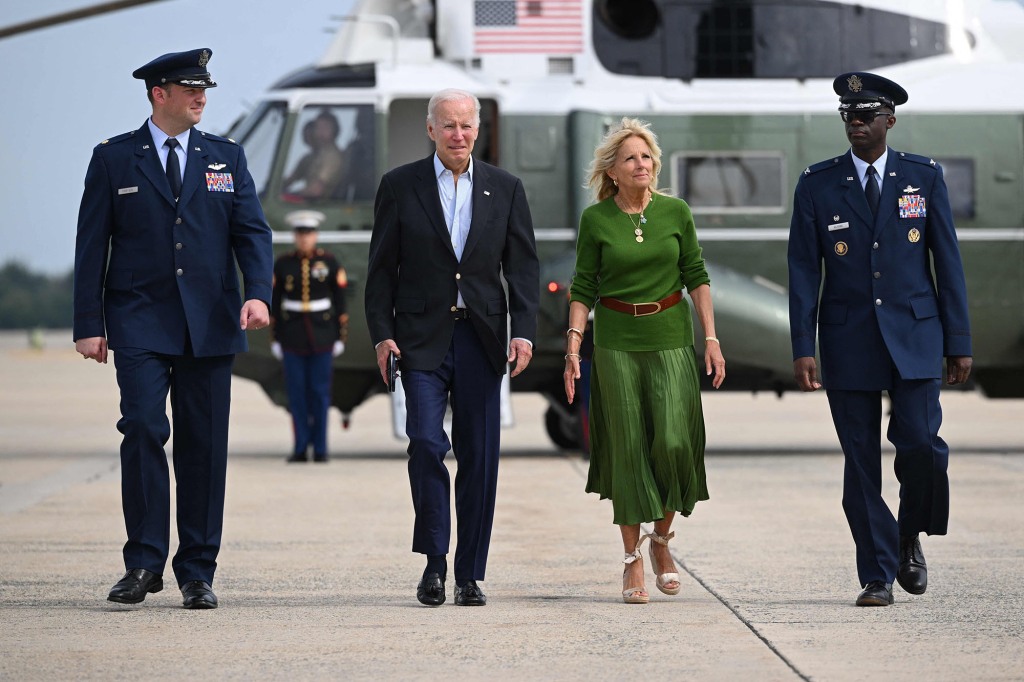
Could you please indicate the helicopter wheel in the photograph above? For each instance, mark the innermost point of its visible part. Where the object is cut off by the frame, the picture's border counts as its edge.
(563, 428)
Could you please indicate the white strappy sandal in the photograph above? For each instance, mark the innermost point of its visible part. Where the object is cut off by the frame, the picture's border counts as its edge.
(635, 595)
(663, 579)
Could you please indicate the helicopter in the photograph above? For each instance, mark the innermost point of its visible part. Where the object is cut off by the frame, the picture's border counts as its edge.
(739, 93)
(738, 117)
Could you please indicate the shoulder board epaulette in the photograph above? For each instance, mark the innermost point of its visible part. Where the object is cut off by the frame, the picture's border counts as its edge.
(117, 138)
(917, 158)
(822, 165)
(218, 138)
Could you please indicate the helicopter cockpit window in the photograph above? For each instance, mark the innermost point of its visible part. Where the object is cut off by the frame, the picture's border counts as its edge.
(331, 155)
(959, 176)
(730, 182)
(259, 133)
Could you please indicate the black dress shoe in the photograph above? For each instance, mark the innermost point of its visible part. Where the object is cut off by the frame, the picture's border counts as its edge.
(430, 591)
(135, 585)
(469, 594)
(320, 458)
(876, 593)
(198, 595)
(913, 572)
(298, 457)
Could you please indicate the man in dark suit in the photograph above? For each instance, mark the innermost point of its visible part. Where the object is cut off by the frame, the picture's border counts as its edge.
(893, 305)
(166, 213)
(447, 230)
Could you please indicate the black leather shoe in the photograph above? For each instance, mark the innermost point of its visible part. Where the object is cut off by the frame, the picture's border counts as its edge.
(198, 595)
(320, 458)
(298, 457)
(913, 572)
(430, 591)
(134, 586)
(876, 593)
(470, 594)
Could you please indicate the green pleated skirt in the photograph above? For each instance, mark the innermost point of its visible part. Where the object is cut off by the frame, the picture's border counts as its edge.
(646, 433)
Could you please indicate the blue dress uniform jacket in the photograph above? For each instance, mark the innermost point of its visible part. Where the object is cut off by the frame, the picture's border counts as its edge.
(171, 268)
(882, 304)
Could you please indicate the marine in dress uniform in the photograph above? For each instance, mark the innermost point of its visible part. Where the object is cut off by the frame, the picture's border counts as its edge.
(876, 224)
(167, 213)
(310, 327)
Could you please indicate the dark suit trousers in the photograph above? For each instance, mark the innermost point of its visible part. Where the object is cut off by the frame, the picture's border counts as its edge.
(921, 461)
(468, 377)
(200, 390)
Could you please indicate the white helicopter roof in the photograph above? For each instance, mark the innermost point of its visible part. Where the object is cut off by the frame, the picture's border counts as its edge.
(394, 35)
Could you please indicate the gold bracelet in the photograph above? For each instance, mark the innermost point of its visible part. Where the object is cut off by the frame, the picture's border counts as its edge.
(570, 330)
(711, 338)
(571, 355)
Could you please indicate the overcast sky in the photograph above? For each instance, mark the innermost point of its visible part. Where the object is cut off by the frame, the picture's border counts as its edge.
(70, 87)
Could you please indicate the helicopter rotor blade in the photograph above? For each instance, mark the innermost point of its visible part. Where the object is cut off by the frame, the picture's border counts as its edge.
(73, 15)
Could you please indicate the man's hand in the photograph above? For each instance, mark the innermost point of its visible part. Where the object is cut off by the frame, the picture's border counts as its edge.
(276, 350)
(95, 347)
(520, 352)
(254, 315)
(384, 348)
(805, 371)
(958, 369)
(337, 349)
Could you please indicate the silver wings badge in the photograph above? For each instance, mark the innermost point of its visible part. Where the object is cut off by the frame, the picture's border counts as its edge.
(217, 166)
(908, 189)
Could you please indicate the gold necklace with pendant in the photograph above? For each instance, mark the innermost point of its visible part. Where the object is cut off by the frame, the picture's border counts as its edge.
(637, 230)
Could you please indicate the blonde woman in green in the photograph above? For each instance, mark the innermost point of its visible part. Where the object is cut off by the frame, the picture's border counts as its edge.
(636, 252)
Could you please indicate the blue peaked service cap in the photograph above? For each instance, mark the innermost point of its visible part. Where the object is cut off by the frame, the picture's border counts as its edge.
(861, 91)
(187, 69)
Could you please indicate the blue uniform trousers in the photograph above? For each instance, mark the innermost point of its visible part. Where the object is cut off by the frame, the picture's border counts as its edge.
(200, 390)
(309, 398)
(921, 461)
(467, 376)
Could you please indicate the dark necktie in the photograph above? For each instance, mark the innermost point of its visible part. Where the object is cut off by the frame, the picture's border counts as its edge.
(173, 169)
(871, 190)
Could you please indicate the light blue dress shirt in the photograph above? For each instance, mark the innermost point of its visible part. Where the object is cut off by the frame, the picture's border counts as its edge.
(457, 204)
(862, 169)
(159, 137)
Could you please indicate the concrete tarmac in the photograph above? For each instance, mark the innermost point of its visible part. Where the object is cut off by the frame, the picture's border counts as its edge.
(316, 580)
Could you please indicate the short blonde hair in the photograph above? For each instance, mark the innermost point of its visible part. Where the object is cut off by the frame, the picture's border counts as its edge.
(606, 153)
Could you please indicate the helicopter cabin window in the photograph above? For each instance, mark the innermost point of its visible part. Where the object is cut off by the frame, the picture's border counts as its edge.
(959, 176)
(259, 133)
(331, 155)
(690, 39)
(730, 182)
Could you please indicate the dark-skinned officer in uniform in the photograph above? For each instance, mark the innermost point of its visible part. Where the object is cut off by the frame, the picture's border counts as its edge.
(310, 327)
(876, 224)
(168, 217)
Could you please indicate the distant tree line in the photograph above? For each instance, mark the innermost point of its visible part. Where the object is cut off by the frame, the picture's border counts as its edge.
(30, 299)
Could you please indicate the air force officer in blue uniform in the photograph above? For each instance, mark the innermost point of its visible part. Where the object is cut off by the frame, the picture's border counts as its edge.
(876, 224)
(167, 213)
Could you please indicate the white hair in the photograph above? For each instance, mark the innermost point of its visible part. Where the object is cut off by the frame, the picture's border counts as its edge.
(452, 95)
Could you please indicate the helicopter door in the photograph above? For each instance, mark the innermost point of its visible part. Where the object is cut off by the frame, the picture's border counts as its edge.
(407, 132)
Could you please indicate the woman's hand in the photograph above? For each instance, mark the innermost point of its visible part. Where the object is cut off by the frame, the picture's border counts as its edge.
(571, 374)
(714, 362)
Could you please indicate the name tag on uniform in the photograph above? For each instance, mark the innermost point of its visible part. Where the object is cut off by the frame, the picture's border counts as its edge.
(128, 190)
(912, 206)
(838, 226)
(220, 182)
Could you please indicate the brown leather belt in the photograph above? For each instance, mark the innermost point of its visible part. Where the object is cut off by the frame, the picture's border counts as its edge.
(642, 309)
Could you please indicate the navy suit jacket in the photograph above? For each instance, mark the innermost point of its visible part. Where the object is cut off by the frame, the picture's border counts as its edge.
(894, 291)
(149, 270)
(413, 279)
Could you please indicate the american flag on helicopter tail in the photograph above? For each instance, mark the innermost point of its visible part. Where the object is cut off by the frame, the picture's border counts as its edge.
(538, 26)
